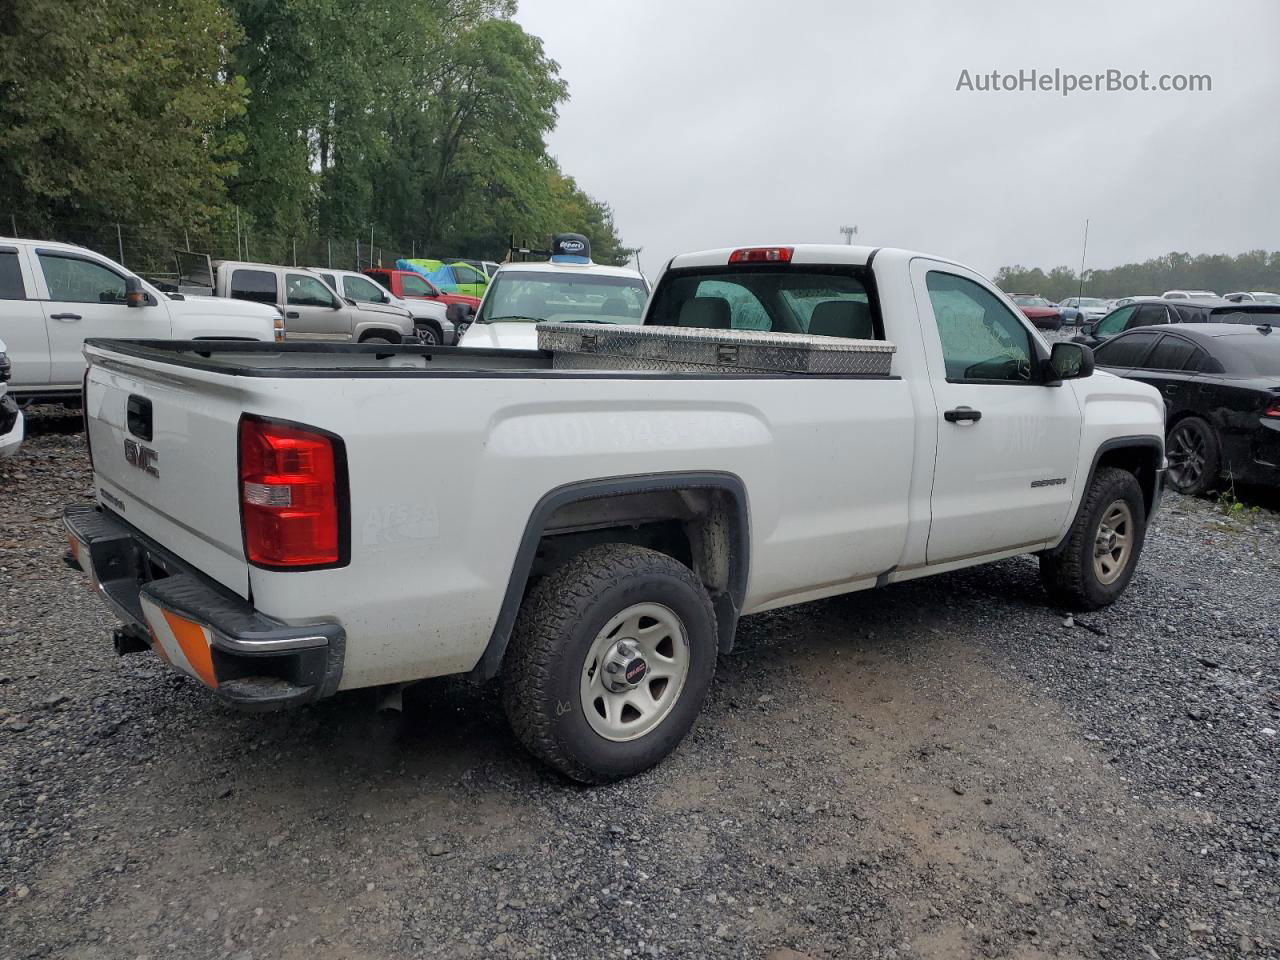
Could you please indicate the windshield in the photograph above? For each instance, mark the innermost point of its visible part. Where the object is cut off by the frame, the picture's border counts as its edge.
(531, 296)
(1031, 301)
(1266, 298)
(1092, 302)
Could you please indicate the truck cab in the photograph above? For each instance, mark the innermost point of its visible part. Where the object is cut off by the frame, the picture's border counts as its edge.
(430, 319)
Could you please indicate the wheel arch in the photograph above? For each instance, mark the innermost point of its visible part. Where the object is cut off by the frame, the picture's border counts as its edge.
(433, 324)
(709, 509)
(1143, 456)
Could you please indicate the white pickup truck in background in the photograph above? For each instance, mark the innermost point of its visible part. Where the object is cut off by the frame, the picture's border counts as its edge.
(54, 296)
(282, 524)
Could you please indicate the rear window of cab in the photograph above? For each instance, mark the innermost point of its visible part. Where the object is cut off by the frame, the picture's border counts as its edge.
(815, 300)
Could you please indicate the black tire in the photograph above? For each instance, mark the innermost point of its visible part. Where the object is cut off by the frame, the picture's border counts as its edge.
(1069, 573)
(376, 338)
(556, 627)
(1195, 456)
(429, 334)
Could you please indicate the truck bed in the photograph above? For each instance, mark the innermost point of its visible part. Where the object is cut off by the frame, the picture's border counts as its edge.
(248, 359)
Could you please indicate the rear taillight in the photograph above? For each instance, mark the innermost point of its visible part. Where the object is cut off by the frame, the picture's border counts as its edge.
(293, 496)
(761, 255)
(1272, 410)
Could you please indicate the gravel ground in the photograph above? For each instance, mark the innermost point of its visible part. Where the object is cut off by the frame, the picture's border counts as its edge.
(941, 769)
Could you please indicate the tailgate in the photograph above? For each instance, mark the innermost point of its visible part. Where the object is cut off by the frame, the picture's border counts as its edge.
(164, 445)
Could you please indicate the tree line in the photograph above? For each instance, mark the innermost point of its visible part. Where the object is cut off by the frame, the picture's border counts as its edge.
(1219, 272)
(422, 119)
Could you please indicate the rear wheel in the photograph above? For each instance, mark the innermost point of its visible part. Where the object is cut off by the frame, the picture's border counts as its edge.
(1194, 456)
(610, 662)
(376, 338)
(1092, 567)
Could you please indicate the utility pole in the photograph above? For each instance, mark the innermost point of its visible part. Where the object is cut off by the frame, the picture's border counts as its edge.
(1084, 250)
(849, 233)
(120, 243)
(239, 256)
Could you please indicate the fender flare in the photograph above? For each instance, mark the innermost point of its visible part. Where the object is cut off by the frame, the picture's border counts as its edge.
(727, 605)
(1136, 442)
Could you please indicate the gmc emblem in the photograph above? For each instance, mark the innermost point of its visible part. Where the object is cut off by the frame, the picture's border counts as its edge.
(144, 458)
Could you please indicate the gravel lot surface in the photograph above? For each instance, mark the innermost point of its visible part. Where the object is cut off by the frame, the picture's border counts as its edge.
(942, 769)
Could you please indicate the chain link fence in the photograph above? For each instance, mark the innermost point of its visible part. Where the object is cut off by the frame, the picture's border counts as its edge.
(149, 250)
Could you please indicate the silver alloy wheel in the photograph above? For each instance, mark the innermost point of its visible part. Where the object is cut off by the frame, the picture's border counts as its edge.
(1113, 543)
(634, 671)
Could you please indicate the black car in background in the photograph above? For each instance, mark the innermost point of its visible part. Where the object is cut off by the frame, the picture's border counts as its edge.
(1221, 388)
(1154, 313)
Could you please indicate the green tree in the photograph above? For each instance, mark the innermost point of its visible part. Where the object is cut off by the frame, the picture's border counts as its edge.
(116, 110)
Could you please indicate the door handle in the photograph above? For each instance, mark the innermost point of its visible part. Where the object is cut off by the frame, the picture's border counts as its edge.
(65, 317)
(962, 414)
(1171, 388)
(292, 315)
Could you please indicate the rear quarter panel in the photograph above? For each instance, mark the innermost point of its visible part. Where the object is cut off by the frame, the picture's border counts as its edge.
(439, 503)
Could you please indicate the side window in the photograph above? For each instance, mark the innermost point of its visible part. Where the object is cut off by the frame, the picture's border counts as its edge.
(358, 288)
(1196, 361)
(1150, 315)
(329, 279)
(414, 286)
(1114, 322)
(72, 280)
(257, 285)
(1125, 352)
(465, 273)
(304, 291)
(1171, 353)
(981, 339)
(746, 312)
(11, 286)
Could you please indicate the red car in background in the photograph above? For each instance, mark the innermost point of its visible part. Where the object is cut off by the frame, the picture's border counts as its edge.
(1045, 315)
(406, 283)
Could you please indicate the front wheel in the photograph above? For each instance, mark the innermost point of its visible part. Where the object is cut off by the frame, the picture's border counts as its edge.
(1094, 564)
(428, 336)
(610, 662)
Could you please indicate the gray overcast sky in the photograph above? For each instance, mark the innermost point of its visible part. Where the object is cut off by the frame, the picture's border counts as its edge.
(710, 124)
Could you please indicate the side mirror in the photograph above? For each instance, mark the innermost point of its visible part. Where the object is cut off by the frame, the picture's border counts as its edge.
(134, 295)
(1069, 361)
(459, 313)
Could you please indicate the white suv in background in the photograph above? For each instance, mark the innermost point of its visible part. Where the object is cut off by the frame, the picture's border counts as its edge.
(54, 296)
(430, 320)
(10, 415)
(1189, 295)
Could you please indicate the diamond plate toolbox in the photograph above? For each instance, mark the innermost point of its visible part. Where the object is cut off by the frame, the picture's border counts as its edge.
(577, 346)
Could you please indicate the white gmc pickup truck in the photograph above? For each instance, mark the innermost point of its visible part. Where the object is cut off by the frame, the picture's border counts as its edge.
(278, 521)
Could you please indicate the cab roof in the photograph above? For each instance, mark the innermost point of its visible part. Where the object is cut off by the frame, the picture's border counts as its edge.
(824, 253)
